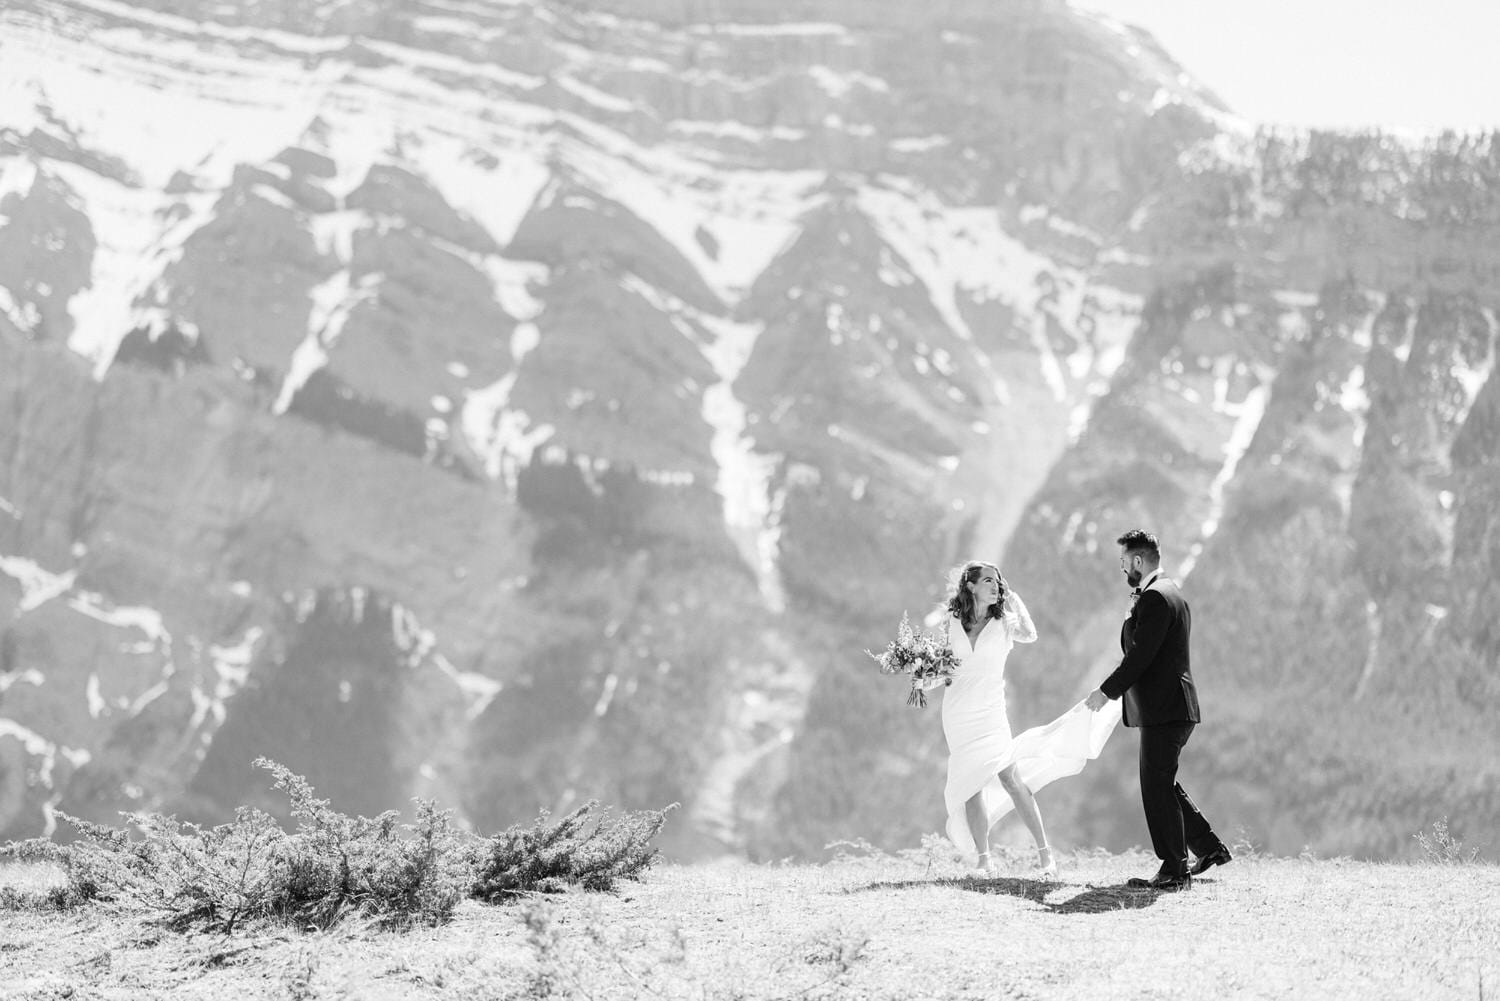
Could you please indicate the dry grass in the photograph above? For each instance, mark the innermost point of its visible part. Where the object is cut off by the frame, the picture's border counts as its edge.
(879, 926)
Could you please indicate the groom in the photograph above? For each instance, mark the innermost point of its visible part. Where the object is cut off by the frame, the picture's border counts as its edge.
(1156, 682)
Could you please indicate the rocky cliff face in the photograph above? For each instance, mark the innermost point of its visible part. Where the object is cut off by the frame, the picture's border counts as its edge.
(524, 402)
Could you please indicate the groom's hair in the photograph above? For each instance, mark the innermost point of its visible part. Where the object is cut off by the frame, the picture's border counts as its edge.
(1137, 541)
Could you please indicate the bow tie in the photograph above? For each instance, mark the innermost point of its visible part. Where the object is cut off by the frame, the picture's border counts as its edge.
(1135, 592)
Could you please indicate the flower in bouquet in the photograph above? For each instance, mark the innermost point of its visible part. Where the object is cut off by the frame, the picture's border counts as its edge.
(926, 657)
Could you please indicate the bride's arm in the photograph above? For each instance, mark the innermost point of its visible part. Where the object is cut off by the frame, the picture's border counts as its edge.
(1018, 619)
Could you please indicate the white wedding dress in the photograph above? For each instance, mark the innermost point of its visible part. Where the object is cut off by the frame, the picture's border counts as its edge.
(977, 727)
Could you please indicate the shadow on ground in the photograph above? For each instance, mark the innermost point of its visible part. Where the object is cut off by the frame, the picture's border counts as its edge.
(1093, 900)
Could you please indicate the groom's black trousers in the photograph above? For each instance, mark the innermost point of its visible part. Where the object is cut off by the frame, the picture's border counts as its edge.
(1171, 816)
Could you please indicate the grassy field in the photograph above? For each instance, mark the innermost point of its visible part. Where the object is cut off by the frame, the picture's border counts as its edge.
(870, 926)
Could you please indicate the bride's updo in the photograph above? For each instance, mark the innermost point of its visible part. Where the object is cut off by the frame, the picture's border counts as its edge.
(961, 601)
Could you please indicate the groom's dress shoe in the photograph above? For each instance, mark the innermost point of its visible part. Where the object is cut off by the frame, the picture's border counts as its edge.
(1164, 881)
(1218, 856)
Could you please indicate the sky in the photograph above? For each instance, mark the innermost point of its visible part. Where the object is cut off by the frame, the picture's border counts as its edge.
(1420, 65)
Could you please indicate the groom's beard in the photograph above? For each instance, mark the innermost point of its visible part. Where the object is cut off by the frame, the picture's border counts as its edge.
(1133, 578)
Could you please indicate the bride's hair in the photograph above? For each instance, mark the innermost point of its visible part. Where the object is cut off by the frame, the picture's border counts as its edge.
(961, 601)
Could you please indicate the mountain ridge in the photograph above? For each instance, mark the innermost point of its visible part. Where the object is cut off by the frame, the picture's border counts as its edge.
(653, 421)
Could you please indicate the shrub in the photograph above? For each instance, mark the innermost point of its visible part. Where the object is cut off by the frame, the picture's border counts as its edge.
(578, 849)
(336, 864)
(217, 878)
(333, 866)
(214, 877)
(1442, 848)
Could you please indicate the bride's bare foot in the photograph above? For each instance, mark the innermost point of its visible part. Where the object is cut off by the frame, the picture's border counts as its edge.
(1047, 862)
(984, 863)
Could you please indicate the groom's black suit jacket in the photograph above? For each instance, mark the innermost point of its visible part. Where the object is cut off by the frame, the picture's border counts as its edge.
(1155, 677)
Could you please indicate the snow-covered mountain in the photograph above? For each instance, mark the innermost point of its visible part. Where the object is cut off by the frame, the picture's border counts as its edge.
(524, 401)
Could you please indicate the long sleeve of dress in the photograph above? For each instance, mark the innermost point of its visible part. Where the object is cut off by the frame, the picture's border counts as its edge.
(1018, 619)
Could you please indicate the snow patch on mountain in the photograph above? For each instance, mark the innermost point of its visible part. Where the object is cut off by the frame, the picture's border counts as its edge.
(1052, 372)
(139, 233)
(44, 755)
(1113, 317)
(964, 254)
(919, 144)
(230, 667)
(1248, 414)
(840, 85)
(145, 98)
(30, 676)
(497, 195)
(440, 64)
(744, 475)
(1030, 214)
(791, 29)
(333, 301)
(729, 129)
(917, 226)
(232, 663)
(748, 217)
(503, 438)
(513, 281)
(208, 30)
(22, 315)
(607, 103)
(336, 298)
(18, 175)
(478, 690)
(1473, 377)
(146, 620)
(91, 693)
(38, 586)
(964, 251)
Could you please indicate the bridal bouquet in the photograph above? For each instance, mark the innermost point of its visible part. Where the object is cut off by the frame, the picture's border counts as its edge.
(925, 656)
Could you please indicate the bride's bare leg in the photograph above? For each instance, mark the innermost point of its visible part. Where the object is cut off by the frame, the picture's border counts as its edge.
(979, 826)
(1031, 814)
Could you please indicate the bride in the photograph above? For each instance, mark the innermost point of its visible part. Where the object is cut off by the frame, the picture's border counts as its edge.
(986, 618)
